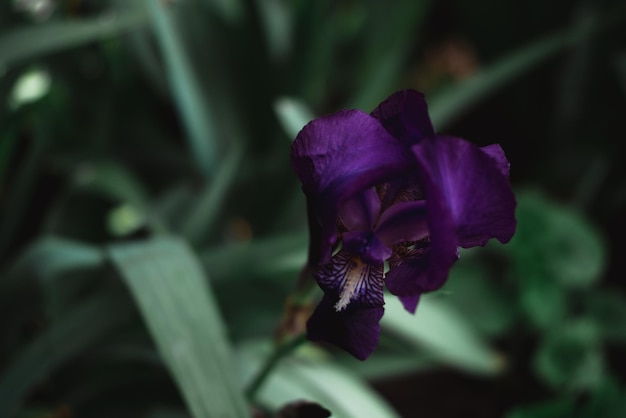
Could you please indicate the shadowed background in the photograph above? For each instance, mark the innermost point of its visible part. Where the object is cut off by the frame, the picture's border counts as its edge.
(151, 227)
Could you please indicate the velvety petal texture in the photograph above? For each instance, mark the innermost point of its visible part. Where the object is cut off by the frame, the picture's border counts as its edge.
(469, 186)
(405, 116)
(352, 306)
(384, 188)
(355, 329)
(340, 155)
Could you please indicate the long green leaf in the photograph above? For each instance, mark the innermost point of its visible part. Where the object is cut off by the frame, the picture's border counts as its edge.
(205, 212)
(193, 107)
(32, 41)
(328, 384)
(268, 258)
(75, 331)
(47, 260)
(181, 313)
(443, 333)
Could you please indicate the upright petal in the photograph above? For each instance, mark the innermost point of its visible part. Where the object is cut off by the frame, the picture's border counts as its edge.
(496, 152)
(404, 115)
(472, 188)
(339, 155)
(346, 152)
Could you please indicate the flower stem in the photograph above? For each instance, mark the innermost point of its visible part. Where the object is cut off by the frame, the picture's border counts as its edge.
(281, 350)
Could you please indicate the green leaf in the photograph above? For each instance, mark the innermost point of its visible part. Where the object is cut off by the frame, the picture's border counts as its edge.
(476, 294)
(542, 300)
(21, 189)
(607, 308)
(203, 215)
(570, 357)
(194, 109)
(182, 315)
(556, 242)
(229, 10)
(32, 41)
(560, 408)
(388, 366)
(51, 257)
(79, 328)
(606, 401)
(264, 258)
(276, 16)
(386, 51)
(311, 379)
(293, 114)
(48, 260)
(440, 331)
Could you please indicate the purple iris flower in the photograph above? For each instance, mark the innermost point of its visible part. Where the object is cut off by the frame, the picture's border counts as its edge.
(383, 189)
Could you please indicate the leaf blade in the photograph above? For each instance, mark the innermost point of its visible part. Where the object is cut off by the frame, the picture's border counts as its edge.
(178, 307)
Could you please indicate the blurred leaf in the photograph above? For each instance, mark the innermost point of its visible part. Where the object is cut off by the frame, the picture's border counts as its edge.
(556, 242)
(32, 41)
(118, 183)
(113, 180)
(31, 86)
(203, 215)
(313, 380)
(570, 357)
(607, 308)
(22, 186)
(386, 50)
(7, 144)
(51, 257)
(192, 104)
(446, 106)
(277, 19)
(561, 408)
(542, 300)
(606, 401)
(293, 114)
(267, 258)
(178, 307)
(476, 295)
(79, 328)
(229, 10)
(441, 332)
(387, 366)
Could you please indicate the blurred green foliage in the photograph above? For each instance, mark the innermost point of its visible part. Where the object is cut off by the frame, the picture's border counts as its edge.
(151, 228)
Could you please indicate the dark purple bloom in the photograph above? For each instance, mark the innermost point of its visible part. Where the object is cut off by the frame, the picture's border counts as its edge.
(384, 188)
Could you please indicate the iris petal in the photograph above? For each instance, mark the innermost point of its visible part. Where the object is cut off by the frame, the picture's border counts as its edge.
(360, 211)
(496, 152)
(404, 221)
(411, 276)
(469, 183)
(404, 115)
(352, 306)
(352, 280)
(410, 302)
(339, 155)
(355, 329)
